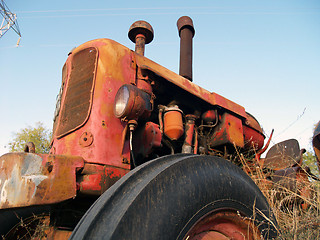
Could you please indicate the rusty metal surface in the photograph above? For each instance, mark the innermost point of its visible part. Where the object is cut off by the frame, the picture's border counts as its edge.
(86, 139)
(253, 139)
(229, 131)
(292, 180)
(304, 187)
(102, 123)
(140, 44)
(115, 67)
(226, 224)
(147, 138)
(283, 155)
(186, 33)
(252, 122)
(286, 178)
(28, 179)
(210, 116)
(189, 132)
(262, 150)
(253, 133)
(183, 83)
(94, 179)
(57, 234)
(141, 27)
(140, 33)
(86, 125)
(138, 106)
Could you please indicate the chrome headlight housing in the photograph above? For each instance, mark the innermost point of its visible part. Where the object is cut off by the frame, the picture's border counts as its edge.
(121, 101)
(132, 103)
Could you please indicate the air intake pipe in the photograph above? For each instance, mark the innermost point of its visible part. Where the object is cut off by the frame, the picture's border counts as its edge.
(140, 33)
(186, 33)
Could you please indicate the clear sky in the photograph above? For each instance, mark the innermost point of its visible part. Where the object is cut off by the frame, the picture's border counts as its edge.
(262, 54)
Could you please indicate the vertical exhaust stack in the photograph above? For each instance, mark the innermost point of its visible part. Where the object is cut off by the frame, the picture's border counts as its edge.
(140, 33)
(186, 33)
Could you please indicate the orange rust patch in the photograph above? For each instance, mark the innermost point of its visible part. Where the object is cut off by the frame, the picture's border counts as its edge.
(28, 179)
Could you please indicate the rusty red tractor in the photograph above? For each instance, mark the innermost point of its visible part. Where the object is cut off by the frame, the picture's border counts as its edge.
(138, 152)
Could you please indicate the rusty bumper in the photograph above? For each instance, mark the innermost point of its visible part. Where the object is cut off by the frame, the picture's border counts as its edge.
(28, 179)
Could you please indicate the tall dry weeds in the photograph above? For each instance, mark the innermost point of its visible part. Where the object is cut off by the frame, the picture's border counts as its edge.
(295, 222)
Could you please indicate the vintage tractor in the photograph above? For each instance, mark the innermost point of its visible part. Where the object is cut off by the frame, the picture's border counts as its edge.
(138, 152)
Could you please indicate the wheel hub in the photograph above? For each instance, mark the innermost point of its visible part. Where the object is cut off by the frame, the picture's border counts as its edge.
(224, 225)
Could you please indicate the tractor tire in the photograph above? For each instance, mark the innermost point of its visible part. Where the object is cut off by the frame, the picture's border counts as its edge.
(180, 197)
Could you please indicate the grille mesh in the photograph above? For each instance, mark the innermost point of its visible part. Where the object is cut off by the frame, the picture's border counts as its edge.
(78, 96)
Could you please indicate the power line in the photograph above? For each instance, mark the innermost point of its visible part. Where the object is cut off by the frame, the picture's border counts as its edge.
(290, 125)
(102, 12)
(233, 9)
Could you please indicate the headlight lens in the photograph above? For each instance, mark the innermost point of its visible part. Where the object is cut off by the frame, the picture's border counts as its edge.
(132, 103)
(121, 101)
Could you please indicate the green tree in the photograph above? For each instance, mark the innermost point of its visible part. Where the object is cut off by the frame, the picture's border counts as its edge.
(38, 134)
(309, 159)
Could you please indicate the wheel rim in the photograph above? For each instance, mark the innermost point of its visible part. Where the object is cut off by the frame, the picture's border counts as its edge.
(223, 225)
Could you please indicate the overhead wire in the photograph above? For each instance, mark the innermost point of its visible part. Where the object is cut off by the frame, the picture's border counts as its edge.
(146, 11)
(291, 124)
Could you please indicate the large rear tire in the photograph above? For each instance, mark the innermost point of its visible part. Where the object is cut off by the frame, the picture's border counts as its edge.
(180, 197)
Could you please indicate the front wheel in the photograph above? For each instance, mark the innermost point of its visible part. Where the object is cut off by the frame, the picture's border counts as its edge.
(180, 197)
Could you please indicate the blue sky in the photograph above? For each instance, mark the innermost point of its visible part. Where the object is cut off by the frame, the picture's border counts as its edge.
(264, 55)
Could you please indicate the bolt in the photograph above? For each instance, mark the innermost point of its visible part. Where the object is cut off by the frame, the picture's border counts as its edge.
(125, 161)
(49, 166)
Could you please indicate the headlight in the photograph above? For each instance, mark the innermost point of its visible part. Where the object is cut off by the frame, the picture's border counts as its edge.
(121, 101)
(132, 103)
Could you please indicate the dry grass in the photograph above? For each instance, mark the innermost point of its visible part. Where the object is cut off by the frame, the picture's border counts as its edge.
(294, 221)
(34, 227)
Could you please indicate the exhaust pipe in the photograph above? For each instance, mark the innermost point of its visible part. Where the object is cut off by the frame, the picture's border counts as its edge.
(186, 33)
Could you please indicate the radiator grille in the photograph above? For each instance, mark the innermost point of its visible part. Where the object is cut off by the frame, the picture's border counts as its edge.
(79, 90)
